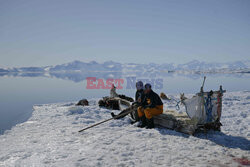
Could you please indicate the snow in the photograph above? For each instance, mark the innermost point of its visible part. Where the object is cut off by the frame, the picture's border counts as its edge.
(50, 138)
(111, 66)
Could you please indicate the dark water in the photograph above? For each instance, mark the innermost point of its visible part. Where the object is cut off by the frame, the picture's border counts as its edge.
(19, 92)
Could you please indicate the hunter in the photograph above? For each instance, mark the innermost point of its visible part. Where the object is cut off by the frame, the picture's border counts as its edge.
(151, 106)
(139, 97)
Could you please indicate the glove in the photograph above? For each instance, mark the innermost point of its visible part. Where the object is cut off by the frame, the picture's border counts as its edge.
(134, 103)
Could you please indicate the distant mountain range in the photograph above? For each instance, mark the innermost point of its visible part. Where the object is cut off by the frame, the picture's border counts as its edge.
(192, 66)
(78, 71)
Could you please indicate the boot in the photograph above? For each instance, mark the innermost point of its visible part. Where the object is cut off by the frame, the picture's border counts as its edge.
(143, 122)
(150, 123)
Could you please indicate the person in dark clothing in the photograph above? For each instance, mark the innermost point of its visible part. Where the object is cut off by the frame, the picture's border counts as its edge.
(151, 106)
(139, 96)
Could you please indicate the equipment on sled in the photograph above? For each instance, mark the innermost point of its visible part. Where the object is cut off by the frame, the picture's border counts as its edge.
(205, 107)
(203, 112)
(114, 100)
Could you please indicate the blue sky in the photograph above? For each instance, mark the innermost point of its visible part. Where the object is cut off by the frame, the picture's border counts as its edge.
(46, 32)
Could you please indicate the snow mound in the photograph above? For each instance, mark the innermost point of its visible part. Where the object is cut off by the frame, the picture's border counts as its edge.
(75, 110)
(50, 138)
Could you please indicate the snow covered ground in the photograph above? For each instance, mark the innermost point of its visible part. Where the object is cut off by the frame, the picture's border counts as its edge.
(50, 138)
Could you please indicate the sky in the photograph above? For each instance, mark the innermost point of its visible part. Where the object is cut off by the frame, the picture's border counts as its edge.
(50, 32)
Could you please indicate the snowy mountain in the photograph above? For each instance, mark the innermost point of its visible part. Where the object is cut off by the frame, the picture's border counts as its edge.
(91, 66)
(111, 66)
(114, 66)
(3, 70)
(203, 66)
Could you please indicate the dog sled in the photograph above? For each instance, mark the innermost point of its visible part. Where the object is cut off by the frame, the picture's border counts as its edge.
(203, 111)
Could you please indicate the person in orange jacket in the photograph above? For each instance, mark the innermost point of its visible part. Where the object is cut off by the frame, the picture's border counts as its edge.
(151, 106)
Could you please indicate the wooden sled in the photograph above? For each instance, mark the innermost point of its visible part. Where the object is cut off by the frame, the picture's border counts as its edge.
(181, 122)
(203, 111)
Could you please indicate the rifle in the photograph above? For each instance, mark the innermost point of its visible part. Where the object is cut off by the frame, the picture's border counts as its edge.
(126, 112)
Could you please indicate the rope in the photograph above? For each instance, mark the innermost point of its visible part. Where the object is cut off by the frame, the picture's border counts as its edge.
(208, 108)
(177, 106)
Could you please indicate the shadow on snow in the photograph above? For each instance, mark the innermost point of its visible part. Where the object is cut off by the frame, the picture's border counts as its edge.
(219, 138)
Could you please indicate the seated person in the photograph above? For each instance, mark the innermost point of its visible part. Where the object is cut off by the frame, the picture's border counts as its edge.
(151, 106)
(139, 95)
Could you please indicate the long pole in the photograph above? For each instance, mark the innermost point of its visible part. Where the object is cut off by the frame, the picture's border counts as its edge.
(203, 82)
(130, 109)
(202, 95)
(96, 124)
